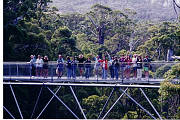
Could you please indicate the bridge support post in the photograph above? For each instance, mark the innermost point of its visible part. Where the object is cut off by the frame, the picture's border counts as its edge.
(63, 103)
(8, 112)
(77, 102)
(150, 104)
(114, 104)
(138, 104)
(106, 103)
(48, 102)
(37, 101)
(16, 102)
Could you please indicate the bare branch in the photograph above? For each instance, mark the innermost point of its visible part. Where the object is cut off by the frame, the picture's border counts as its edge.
(90, 30)
(92, 21)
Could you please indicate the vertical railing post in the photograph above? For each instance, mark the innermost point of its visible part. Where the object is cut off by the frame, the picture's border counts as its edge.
(122, 70)
(17, 70)
(9, 71)
(30, 71)
(51, 72)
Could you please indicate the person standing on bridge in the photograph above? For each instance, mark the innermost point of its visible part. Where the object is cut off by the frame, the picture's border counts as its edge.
(146, 61)
(128, 63)
(69, 67)
(74, 67)
(97, 65)
(134, 61)
(87, 68)
(104, 64)
(139, 67)
(111, 65)
(33, 65)
(116, 67)
(122, 61)
(81, 61)
(45, 66)
(60, 66)
(39, 66)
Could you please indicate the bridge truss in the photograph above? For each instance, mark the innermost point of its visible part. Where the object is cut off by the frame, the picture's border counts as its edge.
(123, 88)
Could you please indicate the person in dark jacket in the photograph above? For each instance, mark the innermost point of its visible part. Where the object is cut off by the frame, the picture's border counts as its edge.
(116, 67)
(87, 68)
(45, 66)
(139, 67)
(69, 66)
(74, 67)
(81, 61)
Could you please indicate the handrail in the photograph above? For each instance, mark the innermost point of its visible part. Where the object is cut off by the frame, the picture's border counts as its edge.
(92, 62)
(123, 72)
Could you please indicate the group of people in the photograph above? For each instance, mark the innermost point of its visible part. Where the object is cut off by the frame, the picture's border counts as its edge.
(124, 66)
(39, 66)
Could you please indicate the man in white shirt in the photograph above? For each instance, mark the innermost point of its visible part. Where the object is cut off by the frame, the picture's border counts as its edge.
(134, 61)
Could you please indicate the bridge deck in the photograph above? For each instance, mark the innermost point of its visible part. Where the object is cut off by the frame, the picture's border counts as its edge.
(84, 84)
(79, 81)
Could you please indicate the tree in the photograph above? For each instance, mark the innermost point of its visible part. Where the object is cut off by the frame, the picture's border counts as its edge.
(103, 21)
(63, 42)
(93, 105)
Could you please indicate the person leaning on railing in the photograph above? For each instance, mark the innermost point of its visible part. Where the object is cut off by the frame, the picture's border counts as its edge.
(33, 65)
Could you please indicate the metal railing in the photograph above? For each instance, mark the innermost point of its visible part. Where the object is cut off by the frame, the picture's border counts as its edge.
(155, 71)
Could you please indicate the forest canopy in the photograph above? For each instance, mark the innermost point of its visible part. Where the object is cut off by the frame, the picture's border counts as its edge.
(32, 27)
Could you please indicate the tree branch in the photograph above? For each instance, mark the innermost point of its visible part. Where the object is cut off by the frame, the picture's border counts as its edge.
(92, 21)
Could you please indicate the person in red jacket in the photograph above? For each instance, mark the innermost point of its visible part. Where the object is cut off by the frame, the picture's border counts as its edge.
(104, 64)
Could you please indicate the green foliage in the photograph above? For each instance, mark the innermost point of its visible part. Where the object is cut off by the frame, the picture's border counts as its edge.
(62, 32)
(54, 8)
(162, 70)
(93, 105)
(131, 115)
(63, 42)
(169, 94)
(173, 73)
(178, 113)
(31, 28)
(163, 36)
(122, 52)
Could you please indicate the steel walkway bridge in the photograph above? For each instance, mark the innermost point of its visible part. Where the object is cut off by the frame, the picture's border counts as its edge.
(19, 73)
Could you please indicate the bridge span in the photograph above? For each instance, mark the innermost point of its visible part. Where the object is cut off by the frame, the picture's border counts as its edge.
(19, 74)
